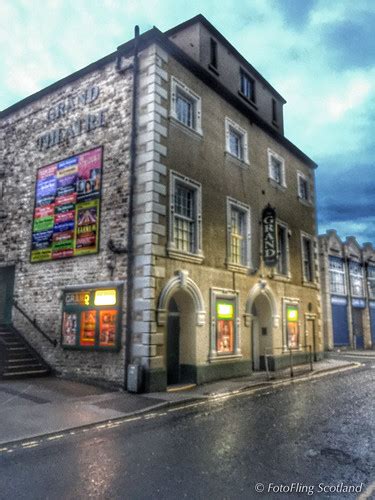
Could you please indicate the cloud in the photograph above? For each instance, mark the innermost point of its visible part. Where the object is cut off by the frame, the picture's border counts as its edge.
(319, 55)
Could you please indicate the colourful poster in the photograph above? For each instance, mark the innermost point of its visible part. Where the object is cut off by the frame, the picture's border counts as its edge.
(225, 336)
(88, 326)
(70, 328)
(87, 215)
(67, 203)
(107, 327)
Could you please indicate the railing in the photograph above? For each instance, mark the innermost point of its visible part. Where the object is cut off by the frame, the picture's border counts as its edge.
(35, 324)
(299, 349)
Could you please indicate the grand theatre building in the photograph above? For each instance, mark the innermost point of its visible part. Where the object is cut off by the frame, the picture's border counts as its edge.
(153, 216)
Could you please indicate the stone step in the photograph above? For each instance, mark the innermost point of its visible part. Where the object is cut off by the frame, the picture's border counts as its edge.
(27, 373)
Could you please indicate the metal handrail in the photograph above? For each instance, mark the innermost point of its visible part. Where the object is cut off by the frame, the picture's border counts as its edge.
(35, 324)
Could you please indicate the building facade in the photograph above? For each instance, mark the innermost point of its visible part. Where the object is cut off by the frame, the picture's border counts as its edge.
(348, 292)
(153, 213)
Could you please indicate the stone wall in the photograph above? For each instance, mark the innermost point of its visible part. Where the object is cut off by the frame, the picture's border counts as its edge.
(26, 146)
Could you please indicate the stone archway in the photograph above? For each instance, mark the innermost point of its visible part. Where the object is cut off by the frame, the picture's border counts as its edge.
(180, 310)
(261, 307)
(181, 281)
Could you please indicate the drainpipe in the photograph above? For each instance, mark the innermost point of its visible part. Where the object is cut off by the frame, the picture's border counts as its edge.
(132, 180)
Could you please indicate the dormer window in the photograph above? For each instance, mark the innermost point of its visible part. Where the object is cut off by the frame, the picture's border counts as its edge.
(274, 112)
(213, 53)
(247, 86)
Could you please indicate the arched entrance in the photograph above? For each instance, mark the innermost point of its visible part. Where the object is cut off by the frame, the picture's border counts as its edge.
(262, 326)
(262, 308)
(180, 310)
(180, 339)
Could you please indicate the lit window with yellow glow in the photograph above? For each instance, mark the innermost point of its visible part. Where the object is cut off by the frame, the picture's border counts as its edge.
(224, 310)
(105, 297)
(292, 314)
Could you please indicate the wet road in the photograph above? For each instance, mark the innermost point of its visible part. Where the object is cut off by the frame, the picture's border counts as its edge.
(314, 435)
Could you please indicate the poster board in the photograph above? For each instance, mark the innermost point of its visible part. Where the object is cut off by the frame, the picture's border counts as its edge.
(67, 207)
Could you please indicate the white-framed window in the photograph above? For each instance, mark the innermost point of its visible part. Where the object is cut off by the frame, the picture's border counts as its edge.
(239, 234)
(337, 277)
(225, 325)
(307, 252)
(186, 106)
(185, 217)
(247, 86)
(371, 281)
(304, 190)
(283, 249)
(276, 168)
(236, 140)
(356, 279)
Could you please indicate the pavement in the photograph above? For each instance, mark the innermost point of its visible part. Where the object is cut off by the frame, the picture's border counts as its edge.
(31, 408)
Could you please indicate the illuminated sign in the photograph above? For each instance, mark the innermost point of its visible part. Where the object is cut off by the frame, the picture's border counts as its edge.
(92, 319)
(105, 298)
(224, 310)
(292, 314)
(269, 236)
(67, 205)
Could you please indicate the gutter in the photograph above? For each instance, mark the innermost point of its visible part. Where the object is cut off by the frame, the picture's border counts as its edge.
(132, 181)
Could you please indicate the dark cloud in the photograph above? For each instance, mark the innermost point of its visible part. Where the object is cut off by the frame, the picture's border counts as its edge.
(295, 12)
(351, 43)
(346, 198)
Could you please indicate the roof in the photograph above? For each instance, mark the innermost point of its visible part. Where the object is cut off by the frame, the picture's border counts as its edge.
(201, 19)
(154, 35)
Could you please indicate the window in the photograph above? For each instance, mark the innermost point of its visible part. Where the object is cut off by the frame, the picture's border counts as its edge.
(88, 321)
(247, 86)
(292, 325)
(274, 111)
(303, 187)
(185, 217)
(213, 53)
(371, 281)
(356, 279)
(236, 140)
(238, 216)
(276, 169)
(307, 259)
(337, 276)
(225, 324)
(283, 249)
(185, 109)
(185, 106)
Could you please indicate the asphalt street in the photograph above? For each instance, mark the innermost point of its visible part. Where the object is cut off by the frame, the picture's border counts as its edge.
(308, 439)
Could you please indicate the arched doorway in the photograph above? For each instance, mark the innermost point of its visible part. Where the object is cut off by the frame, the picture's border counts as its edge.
(181, 312)
(263, 311)
(262, 325)
(181, 339)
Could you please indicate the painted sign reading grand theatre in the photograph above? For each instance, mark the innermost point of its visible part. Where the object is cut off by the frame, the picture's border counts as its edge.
(67, 205)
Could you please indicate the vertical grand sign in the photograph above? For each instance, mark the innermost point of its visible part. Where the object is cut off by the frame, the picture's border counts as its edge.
(67, 204)
(269, 236)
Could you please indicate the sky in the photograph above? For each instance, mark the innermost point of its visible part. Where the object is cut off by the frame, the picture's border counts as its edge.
(319, 54)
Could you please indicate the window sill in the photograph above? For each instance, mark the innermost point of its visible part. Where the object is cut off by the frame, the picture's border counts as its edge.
(213, 358)
(237, 161)
(276, 185)
(212, 68)
(195, 133)
(307, 203)
(185, 256)
(237, 268)
(248, 100)
(310, 284)
(282, 277)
